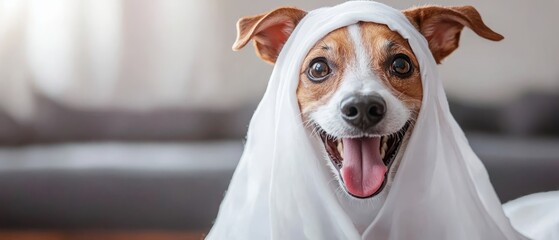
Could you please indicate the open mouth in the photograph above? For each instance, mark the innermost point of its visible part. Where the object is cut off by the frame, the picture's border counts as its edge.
(363, 163)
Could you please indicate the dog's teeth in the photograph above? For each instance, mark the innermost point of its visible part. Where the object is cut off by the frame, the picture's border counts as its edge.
(383, 149)
(340, 147)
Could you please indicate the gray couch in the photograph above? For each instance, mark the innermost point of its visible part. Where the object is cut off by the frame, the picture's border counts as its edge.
(170, 169)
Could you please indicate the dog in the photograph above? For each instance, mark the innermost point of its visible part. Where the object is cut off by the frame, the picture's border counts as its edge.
(360, 90)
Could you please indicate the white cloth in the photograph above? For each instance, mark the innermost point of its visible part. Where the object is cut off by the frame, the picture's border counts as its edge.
(282, 188)
(535, 215)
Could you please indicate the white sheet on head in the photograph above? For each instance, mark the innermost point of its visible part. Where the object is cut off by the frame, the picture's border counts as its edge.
(535, 215)
(282, 188)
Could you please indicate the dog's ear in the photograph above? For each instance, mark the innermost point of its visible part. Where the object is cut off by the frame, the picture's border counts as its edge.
(269, 31)
(442, 26)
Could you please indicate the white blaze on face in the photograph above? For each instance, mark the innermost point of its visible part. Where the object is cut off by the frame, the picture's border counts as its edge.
(360, 79)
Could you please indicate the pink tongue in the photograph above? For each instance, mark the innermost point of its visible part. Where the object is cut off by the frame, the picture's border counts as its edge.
(362, 170)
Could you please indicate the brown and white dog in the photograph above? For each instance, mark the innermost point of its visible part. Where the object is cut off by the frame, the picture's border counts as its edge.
(360, 90)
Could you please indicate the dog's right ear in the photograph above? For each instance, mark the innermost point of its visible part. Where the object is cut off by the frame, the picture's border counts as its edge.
(269, 31)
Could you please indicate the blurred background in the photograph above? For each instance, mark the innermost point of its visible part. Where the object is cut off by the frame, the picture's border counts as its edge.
(124, 119)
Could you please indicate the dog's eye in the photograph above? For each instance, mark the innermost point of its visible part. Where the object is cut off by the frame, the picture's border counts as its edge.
(401, 66)
(318, 70)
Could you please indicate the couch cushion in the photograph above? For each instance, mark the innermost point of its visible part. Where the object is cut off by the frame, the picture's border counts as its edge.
(55, 123)
(180, 185)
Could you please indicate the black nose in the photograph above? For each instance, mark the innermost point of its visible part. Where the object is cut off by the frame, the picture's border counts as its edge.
(363, 111)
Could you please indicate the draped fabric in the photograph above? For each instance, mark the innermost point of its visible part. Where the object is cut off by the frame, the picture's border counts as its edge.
(283, 189)
(535, 215)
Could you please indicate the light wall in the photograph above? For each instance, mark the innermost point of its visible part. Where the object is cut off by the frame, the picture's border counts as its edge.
(145, 54)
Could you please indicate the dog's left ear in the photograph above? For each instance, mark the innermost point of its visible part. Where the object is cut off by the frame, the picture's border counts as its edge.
(442, 26)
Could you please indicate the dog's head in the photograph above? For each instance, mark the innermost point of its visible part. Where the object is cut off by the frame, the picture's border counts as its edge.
(360, 86)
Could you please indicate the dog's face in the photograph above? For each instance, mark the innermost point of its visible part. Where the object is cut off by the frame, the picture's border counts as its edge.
(360, 86)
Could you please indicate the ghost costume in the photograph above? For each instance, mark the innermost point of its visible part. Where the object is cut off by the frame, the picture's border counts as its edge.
(283, 188)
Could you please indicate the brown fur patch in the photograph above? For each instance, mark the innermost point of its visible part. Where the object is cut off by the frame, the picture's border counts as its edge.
(337, 49)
